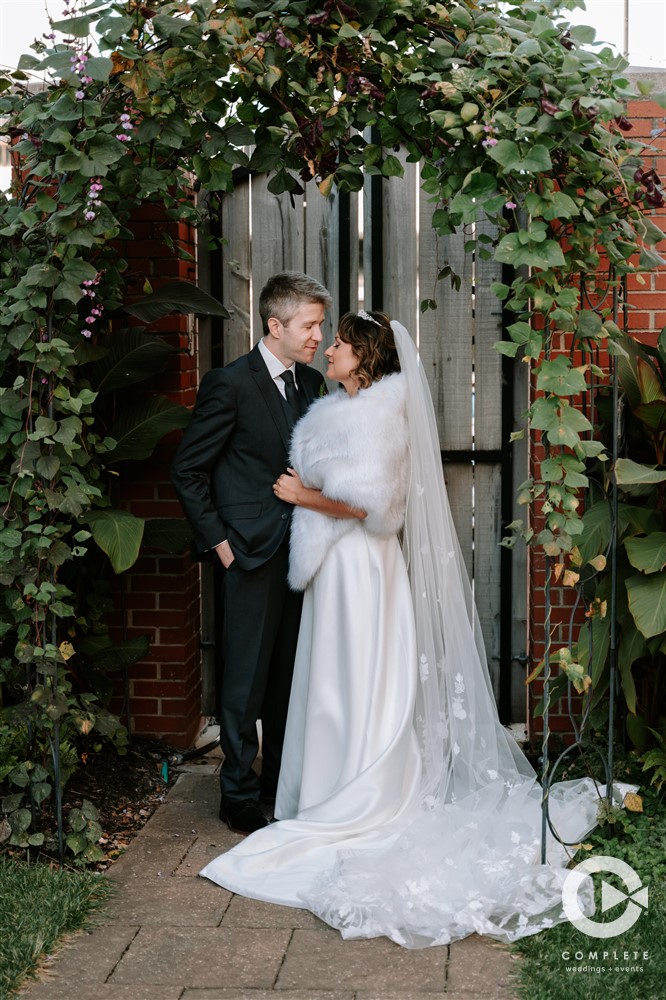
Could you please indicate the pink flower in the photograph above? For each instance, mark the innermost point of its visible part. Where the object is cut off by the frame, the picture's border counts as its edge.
(90, 216)
(123, 138)
(510, 204)
(79, 95)
(489, 142)
(86, 333)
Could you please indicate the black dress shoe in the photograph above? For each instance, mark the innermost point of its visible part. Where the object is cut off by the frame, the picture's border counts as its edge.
(244, 816)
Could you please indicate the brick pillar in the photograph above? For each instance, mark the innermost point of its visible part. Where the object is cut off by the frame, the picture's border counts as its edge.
(646, 317)
(160, 594)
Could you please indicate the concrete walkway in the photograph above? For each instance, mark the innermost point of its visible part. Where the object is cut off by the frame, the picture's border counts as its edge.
(170, 935)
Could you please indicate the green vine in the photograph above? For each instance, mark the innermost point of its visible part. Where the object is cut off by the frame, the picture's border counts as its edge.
(513, 113)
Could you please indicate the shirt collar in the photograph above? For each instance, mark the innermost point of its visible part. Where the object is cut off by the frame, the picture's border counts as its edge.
(274, 365)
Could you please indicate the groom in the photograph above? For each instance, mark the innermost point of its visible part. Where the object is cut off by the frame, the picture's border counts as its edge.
(231, 453)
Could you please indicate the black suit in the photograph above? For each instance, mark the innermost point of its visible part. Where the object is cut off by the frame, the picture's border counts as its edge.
(232, 452)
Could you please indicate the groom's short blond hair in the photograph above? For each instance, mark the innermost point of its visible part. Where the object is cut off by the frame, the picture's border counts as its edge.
(285, 292)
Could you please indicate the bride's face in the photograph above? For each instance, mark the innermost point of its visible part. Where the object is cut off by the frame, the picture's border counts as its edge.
(341, 363)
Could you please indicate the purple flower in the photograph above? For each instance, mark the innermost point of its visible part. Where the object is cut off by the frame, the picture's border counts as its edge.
(123, 138)
(510, 204)
(282, 40)
(86, 333)
(79, 95)
(489, 142)
(317, 19)
(548, 107)
(90, 216)
(263, 36)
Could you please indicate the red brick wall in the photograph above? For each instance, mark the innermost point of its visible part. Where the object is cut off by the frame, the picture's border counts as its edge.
(161, 592)
(646, 317)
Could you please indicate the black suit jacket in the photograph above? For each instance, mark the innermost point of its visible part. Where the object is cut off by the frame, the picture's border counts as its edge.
(232, 451)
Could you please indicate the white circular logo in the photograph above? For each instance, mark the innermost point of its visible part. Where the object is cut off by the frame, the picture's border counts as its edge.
(577, 882)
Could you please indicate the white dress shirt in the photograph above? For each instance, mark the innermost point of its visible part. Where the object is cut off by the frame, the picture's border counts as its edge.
(276, 367)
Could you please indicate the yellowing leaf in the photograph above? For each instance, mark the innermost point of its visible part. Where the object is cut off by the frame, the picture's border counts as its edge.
(570, 578)
(326, 185)
(558, 569)
(599, 562)
(575, 556)
(66, 650)
(633, 802)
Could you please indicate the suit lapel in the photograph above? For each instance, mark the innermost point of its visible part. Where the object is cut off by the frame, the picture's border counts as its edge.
(270, 393)
(305, 384)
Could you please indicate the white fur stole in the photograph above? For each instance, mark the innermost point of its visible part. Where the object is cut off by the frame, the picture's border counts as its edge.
(354, 449)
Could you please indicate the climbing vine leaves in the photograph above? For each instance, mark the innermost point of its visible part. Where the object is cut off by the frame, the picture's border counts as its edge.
(514, 114)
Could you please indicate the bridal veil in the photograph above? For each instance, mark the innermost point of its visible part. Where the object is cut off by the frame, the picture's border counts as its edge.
(469, 858)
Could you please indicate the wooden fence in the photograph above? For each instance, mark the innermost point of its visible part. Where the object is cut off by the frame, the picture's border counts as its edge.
(377, 249)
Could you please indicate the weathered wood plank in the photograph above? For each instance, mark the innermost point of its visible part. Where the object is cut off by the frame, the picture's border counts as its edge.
(237, 271)
(487, 561)
(487, 361)
(445, 333)
(400, 248)
(519, 553)
(278, 239)
(459, 481)
(322, 252)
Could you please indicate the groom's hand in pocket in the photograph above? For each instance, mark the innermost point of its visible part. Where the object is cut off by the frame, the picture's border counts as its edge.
(225, 554)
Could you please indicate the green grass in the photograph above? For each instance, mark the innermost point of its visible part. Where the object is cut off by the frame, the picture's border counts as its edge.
(37, 906)
(545, 971)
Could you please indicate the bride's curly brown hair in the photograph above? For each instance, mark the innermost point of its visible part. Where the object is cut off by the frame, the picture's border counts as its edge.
(373, 344)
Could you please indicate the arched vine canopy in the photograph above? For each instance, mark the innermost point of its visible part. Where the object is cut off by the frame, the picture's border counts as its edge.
(514, 113)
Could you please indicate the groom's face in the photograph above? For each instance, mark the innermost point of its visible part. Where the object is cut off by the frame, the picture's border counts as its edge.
(298, 338)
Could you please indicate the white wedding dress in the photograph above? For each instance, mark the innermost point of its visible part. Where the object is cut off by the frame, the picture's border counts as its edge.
(396, 817)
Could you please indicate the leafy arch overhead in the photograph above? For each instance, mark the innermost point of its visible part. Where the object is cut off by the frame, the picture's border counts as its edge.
(515, 114)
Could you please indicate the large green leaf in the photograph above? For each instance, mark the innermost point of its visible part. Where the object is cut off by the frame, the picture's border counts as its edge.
(593, 646)
(132, 356)
(180, 297)
(102, 653)
(647, 554)
(139, 428)
(560, 377)
(647, 602)
(632, 647)
(569, 421)
(652, 414)
(118, 533)
(628, 472)
(170, 534)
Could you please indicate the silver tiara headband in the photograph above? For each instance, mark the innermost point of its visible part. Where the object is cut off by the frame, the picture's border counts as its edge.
(362, 314)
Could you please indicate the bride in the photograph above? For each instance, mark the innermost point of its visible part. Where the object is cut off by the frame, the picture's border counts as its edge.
(404, 808)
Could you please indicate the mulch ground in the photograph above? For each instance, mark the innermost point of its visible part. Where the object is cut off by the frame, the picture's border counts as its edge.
(125, 789)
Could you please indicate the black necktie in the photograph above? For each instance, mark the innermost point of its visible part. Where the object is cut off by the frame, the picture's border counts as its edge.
(291, 392)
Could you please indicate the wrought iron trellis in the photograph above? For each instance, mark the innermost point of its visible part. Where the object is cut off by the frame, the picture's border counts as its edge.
(616, 289)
